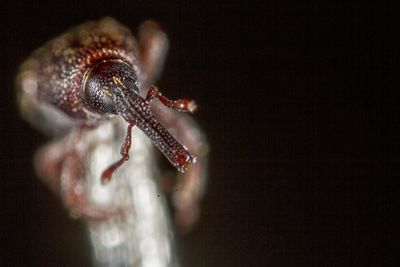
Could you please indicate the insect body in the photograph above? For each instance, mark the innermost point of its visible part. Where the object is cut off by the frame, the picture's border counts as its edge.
(91, 72)
(76, 88)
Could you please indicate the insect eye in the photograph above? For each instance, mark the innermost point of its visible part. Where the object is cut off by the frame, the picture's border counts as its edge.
(100, 85)
(98, 96)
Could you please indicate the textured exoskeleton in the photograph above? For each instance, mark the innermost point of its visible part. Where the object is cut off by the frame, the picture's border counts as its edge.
(83, 89)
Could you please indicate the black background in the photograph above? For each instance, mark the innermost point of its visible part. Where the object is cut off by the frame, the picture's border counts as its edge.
(298, 101)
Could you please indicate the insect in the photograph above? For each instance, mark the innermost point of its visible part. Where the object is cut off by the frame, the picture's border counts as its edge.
(82, 88)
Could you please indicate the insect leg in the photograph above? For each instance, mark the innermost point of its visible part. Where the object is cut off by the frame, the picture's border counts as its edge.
(61, 166)
(191, 184)
(181, 105)
(48, 162)
(126, 146)
(153, 50)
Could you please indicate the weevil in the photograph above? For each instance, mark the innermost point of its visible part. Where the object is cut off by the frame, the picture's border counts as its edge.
(88, 77)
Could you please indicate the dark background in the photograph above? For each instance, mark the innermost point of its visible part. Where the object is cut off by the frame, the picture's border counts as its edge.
(298, 101)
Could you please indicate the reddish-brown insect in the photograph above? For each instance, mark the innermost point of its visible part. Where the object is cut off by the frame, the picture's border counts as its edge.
(86, 78)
